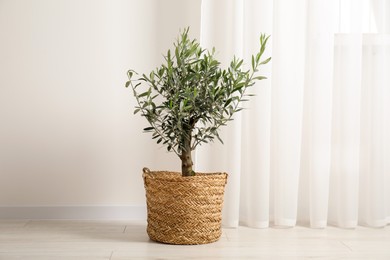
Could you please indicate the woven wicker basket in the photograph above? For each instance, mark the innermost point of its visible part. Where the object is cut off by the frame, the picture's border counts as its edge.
(184, 210)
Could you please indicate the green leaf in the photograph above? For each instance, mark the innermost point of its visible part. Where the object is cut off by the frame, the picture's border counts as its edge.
(219, 138)
(161, 72)
(258, 56)
(265, 61)
(239, 86)
(136, 111)
(143, 94)
(240, 63)
(228, 102)
(177, 56)
(148, 128)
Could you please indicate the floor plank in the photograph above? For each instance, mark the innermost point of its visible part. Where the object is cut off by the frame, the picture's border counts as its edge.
(119, 240)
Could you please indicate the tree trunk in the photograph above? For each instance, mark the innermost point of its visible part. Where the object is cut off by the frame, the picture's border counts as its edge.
(186, 158)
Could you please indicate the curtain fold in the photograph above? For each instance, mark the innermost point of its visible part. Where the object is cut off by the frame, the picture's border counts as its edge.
(344, 177)
(317, 114)
(313, 145)
(255, 155)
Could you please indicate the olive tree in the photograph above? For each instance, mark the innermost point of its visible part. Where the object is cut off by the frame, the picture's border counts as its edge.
(189, 97)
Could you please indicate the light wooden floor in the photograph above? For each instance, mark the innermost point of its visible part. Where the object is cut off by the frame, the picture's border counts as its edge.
(115, 240)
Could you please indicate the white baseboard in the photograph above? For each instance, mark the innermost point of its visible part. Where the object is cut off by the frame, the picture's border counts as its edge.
(121, 212)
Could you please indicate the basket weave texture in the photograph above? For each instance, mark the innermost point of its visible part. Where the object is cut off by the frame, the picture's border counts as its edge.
(184, 210)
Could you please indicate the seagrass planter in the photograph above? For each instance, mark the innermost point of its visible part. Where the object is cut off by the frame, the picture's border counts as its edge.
(184, 210)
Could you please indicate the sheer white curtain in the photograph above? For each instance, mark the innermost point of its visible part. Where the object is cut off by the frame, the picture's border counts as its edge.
(314, 144)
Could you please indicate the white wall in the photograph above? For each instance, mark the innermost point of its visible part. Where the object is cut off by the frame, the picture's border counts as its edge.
(67, 133)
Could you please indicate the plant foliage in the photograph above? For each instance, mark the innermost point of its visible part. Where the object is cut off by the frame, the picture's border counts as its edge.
(189, 97)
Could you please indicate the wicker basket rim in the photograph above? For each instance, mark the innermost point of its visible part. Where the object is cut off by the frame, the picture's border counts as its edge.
(177, 177)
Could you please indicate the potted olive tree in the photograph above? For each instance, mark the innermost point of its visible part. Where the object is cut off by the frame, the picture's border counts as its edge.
(185, 101)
